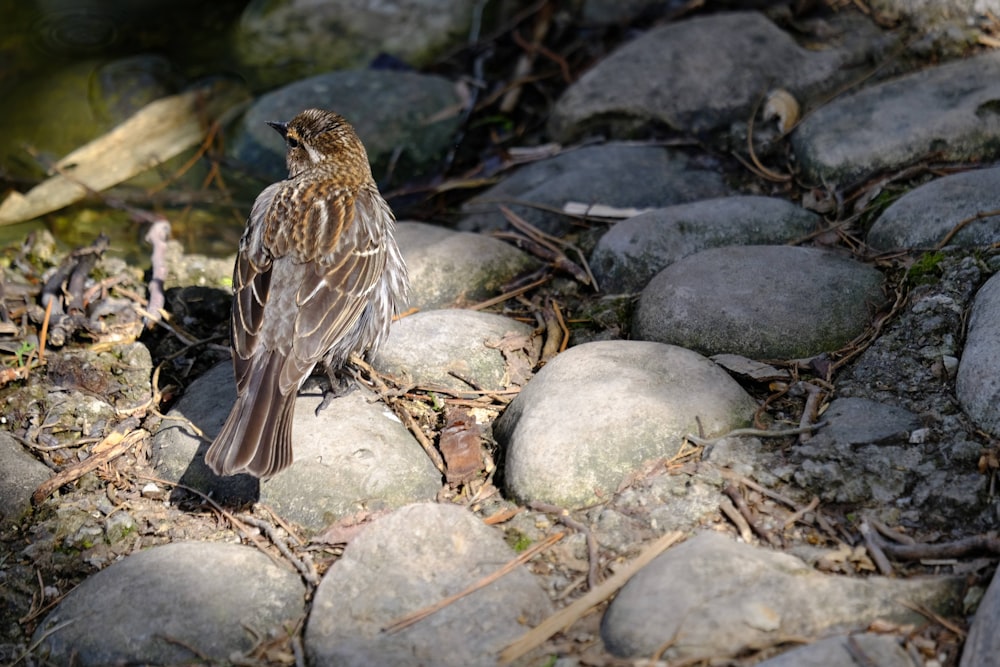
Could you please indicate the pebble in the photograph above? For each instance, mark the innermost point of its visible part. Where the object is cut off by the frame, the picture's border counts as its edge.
(978, 383)
(634, 250)
(452, 269)
(459, 350)
(924, 216)
(599, 410)
(720, 590)
(207, 597)
(633, 175)
(411, 559)
(354, 455)
(726, 300)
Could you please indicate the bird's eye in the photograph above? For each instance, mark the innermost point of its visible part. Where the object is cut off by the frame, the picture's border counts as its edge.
(293, 142)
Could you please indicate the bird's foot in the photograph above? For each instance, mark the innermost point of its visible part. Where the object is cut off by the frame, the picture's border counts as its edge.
(337, 385)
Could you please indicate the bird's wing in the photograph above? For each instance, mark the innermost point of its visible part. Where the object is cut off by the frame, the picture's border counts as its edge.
(251, 286)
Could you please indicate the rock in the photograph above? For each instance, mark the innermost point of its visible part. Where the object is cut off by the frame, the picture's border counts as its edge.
(723, 300)
(881, 650)
(615, 174)
(22, 474)
(636, 249)
(924, 216)
(410, 559)
(862, 455)
(278, 42)
(598, 411)
(391, 111)
(159, 605)
(449, 268)
(697, 75)
(944, 111)
(978, 382)
(439, 347)
(726, 597)
(983, 641)
(355, 453)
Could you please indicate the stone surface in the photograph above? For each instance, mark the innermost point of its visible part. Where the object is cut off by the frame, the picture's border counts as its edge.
(725, 300)
(410, 559)
(983, 642)
(389, 110)
(615, 174)
(438, 348)
(881, 650)
(278, 42)
(598, 411)
(978, 383)
(634, 250)
(22, 474)
(945, 113)
(725, 596)
(698, 75)
(449, 268)
(924, 216)
(130, 612)
(354, 454)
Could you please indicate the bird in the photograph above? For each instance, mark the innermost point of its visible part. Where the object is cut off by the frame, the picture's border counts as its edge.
(318, 277)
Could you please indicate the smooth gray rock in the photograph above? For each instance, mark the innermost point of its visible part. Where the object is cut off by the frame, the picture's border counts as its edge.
(355, 453)
(947, 112)
(880, 650)
(634, 250)
(726, 597)
(615, 174)
(978, 381)
(763, 302)
(983, 642)
(863, 454)
(439, 347)
(924, 216)
(449, 268)
(413, 558)
(22, 474)
(277, 42)
(147, 608)
(598, 411)
(700, 74)
(389, 110)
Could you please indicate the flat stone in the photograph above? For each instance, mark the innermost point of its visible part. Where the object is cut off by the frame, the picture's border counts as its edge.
(947, 112)
(355, 454)
(925, 215)
(763, 302)
(599, 410)
(983, 642)
(699, 74)
(978, 381)
(410, 559)
(634, 250)
(717, 590)
(450, 268)
(617, 174)
(153, 605)
(441, 347)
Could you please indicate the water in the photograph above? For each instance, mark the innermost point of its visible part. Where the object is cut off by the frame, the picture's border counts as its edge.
(43, 45)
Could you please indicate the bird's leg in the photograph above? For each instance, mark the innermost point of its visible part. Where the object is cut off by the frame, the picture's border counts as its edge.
(339, 383)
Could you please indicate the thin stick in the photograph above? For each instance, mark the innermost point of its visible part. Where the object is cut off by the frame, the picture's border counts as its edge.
(569, 614)
(421, 614)
(43, 336)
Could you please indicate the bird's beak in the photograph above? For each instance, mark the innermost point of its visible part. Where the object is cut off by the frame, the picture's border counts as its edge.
(280, 128)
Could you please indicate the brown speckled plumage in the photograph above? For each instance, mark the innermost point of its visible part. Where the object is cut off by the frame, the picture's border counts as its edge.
(318, 276)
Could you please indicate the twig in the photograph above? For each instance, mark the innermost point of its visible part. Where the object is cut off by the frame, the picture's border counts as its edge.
(872, 543)
(507, 568)
(508, 295)
(727, 507)
(38, 642)
(963, 224)
(741, 504)
(810, 410)
(305, 569)
(756, 432)
(157, 236)
(798, 514)
(957, 549)
(578, 608)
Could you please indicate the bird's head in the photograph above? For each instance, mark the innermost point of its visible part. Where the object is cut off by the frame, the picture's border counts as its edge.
(321, 139)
